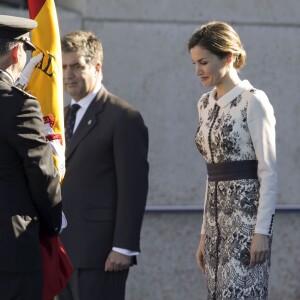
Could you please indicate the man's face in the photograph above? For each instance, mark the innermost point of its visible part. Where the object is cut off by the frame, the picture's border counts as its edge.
(79, 78)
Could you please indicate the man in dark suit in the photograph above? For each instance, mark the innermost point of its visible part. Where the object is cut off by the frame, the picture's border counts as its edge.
(29, 183)
(106, 183)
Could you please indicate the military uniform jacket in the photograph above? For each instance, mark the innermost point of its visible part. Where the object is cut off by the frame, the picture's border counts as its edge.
(30, 198)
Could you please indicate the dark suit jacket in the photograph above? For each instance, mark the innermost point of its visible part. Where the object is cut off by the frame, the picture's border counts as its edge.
(29, 183)
(106, 182)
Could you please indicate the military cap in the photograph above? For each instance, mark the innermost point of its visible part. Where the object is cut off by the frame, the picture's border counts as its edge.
(17, 28)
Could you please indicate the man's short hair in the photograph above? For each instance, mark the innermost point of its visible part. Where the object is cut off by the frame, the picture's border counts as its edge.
(6, 45)
(84, 43)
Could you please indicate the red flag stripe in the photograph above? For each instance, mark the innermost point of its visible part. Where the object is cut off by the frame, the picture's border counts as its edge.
(35, 7)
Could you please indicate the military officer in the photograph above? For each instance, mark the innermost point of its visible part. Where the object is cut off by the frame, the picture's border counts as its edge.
(30, 199)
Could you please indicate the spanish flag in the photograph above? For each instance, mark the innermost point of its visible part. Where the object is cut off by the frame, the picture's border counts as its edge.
(46, 85)
(46, 80)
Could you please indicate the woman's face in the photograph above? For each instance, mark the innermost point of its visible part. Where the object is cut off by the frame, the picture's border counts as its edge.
(209, 67)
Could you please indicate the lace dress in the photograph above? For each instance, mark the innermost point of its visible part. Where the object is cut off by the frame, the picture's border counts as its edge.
(240, 126)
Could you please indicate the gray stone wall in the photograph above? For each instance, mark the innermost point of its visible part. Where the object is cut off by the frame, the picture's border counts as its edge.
(167, 269)
(147, 63)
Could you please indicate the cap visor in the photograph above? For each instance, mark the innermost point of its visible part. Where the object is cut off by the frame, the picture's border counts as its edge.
(30, 46)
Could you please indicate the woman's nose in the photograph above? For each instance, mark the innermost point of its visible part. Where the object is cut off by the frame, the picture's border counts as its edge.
(198, 70)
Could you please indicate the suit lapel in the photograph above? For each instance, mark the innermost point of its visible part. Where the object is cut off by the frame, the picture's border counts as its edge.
(88, 121)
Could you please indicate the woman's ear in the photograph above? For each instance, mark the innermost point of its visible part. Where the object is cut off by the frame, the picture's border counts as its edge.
(229, 58)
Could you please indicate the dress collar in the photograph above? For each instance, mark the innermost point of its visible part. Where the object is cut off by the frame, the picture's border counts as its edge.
(231, 95)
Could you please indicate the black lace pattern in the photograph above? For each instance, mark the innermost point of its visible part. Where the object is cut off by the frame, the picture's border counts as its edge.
(231, 206)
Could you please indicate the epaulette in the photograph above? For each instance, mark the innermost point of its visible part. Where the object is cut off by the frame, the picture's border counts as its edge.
(22, 92)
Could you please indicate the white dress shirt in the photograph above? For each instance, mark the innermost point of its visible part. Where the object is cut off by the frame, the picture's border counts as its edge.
(84, 103)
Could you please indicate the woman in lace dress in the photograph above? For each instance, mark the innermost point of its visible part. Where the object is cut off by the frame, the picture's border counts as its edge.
(236, 137)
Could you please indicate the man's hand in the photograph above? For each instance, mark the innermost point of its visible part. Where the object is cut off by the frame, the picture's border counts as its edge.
(117, 262)
(259, 250)
(200, 253)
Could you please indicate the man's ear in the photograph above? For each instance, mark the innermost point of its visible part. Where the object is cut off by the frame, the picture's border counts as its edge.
(14, 54)
(98, 67)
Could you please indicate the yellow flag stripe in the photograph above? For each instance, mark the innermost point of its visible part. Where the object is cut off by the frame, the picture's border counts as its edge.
(46, 80)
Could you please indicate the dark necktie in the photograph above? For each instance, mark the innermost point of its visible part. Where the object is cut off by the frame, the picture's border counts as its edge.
(71, 122)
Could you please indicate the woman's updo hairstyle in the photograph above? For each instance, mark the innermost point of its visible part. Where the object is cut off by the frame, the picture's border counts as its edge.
(220, 39)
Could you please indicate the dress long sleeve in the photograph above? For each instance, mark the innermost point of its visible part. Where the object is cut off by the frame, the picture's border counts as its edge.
(261, 123)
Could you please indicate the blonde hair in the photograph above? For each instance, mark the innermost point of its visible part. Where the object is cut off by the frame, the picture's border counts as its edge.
(220, 39)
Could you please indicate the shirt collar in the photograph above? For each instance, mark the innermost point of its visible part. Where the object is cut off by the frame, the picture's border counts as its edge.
(86, 101)
(231, 95)
(5, 76)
